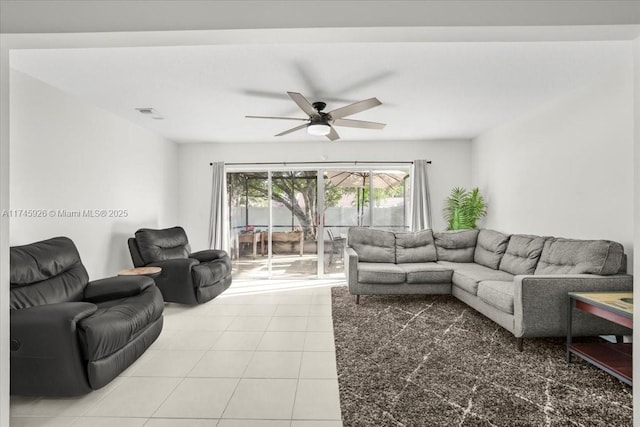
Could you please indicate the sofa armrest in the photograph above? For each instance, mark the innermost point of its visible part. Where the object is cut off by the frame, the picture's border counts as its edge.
(541, 302)
(46, 357)
(208, 255)
(351, 267)
(116, 287)
(172, 266)
(175, 280)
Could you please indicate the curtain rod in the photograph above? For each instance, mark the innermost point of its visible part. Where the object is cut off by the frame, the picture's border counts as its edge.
(354, 163)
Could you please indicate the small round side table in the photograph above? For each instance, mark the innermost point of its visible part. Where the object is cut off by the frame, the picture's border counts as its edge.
(141, 271)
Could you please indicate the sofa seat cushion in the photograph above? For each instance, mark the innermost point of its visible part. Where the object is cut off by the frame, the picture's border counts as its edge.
(567, 256)
(490, 248)
(498, 294)
(383, 273)
(426, 272)
(210, 273)
(417, 246)
(116, 323)
(372, 245)
(467, 275)
(457, 246)
(522, 255)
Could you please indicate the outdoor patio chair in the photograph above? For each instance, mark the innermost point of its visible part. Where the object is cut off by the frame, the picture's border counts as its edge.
(337, 246)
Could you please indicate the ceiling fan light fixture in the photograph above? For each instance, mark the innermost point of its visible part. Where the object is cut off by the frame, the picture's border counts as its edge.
(319, 129)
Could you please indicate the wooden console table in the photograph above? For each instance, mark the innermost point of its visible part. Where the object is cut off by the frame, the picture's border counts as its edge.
(617, 307)
(283, 237)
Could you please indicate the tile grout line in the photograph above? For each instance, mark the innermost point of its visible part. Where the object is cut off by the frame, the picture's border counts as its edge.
(179, 383)
(235, 389)
(295, 393)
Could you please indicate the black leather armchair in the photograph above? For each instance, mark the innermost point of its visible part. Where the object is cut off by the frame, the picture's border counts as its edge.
(186, 277)
(68, 335)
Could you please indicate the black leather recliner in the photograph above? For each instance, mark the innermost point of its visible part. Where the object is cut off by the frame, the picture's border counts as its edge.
(186, 277)
(68, 335)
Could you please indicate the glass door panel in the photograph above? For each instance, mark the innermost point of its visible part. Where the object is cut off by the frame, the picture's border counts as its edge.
(295, 224)
(349, 195)
(338, 214)
(390, 199)
(248, 219)
(344, 207)
(343, 198)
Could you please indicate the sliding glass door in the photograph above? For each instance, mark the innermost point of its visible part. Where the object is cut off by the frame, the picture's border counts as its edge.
(273, 220)
(294, 223)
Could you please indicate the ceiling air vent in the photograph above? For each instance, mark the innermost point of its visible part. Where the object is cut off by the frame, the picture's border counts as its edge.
(150, 112)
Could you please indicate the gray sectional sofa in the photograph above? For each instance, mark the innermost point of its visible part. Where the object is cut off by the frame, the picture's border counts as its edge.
(518, 281)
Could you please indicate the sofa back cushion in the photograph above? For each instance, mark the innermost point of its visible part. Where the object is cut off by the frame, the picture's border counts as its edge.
(417, 246)
(160, 245)
(522, 254)
(372, 245)
(566, 256)
(46, 272)
(490, 248)
(456, 246)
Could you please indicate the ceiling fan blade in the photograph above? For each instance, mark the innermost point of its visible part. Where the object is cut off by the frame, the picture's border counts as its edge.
(336, 99)
(274, 117)
(306, 74)
(304, 104)
(292, 130)
(354, 108)
(316, 95)
(311, 88)
(333, 135)
(265, 94)
(367, 81)
(358, 124)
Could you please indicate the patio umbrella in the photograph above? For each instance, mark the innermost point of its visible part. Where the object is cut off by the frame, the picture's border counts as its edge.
(362, 180)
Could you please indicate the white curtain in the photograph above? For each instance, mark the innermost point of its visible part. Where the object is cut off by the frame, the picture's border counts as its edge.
(420, 199)
(219, 220)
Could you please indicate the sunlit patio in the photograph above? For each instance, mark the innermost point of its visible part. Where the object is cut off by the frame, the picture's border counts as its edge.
(286, 266)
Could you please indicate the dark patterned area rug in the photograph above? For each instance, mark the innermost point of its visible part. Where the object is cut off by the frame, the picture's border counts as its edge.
(433, 361)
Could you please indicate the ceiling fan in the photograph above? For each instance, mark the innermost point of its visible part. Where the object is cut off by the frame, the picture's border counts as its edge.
(321, 123)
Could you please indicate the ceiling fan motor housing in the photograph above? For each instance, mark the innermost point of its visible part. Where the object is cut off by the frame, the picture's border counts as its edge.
(319, 105)
(322, 119)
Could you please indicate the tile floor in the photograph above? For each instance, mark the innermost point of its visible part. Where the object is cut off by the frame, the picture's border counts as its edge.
(262, 354)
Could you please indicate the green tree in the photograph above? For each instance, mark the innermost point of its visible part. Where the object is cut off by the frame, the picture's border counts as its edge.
(296, 190)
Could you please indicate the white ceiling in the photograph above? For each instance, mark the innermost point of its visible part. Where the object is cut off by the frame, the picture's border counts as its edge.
(429, 90)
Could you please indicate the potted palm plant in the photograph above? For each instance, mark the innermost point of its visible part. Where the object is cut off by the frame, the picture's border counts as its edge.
(463, 208)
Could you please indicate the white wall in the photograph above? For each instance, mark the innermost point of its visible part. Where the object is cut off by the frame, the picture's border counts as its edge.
(69, 155)
(636, 198)
(451, 167)
(4, 235)
(565, 169)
